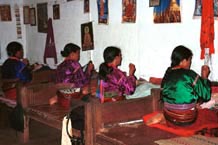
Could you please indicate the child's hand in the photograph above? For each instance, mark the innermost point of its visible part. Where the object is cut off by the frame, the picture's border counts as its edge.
(205, 71)
(131, 69)
(25, 61)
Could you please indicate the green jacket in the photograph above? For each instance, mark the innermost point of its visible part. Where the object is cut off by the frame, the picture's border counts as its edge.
(182, 86)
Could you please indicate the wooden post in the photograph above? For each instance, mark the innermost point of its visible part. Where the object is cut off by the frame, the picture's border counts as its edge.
(24, 136)
(156, 104)
(88, 124)
(97, 118)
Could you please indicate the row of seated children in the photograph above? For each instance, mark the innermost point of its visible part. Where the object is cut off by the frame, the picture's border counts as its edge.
(181, 85)
(116, 82)
(70, 72)
(183, 89)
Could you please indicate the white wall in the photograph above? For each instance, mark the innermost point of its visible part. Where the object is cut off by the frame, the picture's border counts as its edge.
(149, 45)
(143, 43)
(8, 28)
(66, 30)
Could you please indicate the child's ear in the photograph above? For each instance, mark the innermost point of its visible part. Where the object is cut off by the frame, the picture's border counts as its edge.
(72, 54)
(182, 62)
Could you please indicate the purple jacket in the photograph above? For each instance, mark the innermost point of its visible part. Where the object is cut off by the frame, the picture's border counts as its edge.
(120, 83)
(70, 71)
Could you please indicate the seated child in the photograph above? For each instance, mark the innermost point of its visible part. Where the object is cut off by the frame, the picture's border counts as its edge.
(114, 82)
(183, 89)
(70, 70)
(15, 67)
(69, 73)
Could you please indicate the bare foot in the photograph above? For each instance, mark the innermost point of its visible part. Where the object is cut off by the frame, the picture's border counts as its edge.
(159, 118)
(53, 100)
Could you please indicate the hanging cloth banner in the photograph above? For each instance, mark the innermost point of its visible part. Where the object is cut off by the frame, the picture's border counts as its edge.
(207, 27)
(50, 49)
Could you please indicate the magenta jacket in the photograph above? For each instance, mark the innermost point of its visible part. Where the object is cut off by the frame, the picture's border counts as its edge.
(70, 71)
(119, 82)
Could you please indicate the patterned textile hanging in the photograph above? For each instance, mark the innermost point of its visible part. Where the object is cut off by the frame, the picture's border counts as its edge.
(207, 27)
(50, 49)
(167, 12)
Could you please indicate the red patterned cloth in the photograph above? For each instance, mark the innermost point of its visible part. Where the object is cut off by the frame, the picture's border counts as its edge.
(155, 80)
(214, 89)
(207, 121)
(11, 94)
(207, 27)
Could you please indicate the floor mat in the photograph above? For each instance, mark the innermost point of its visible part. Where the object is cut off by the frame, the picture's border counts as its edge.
(193, 140)
(206, 124)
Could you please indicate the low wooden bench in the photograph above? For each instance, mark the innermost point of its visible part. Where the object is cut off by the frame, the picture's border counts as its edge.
(35, 101)
(97, 115)
(39, 78)
(108, 116)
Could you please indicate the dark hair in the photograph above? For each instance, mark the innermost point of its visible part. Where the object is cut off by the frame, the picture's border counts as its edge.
(13, 47)
(180, 53)
(109, 55)
(68, 48)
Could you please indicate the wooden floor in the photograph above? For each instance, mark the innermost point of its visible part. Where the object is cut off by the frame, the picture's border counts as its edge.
(136, 134)
(40, 135)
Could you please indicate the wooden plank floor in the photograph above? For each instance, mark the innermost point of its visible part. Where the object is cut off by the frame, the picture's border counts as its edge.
(136, 134)
(40, 135)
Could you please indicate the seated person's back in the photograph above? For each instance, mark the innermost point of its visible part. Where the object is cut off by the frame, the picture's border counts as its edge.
(15, 67)
(114, 81)
(183, 88)
(70, 70)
